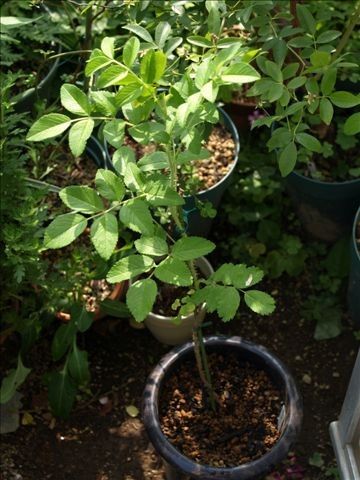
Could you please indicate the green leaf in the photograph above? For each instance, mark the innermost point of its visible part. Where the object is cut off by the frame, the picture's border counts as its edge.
(107, 46)
(13, 380)
(135, 214)
(328, 81)
(274, 71)
(48, 126)
(140, 32)
(174, 271)
(148, 132)
(259, 302)
(128, 94)
(326, 111)
(287, 159)
(153, 161)
(159, 194)
(352, 124)
(113, 75)
(96, 61)
(328, 36)
(189, 248)
(79, 134)
(63, 338)
(133, 177)
(345, 99)
(240, 276)
(121, 158)
(82, 199)
(114, 132)
(240, 73)
(81, 317)
(74, 100)
(154, 246)
(199, 41)
(78, 365)
(309, 142)
(104, 235)
(62, 393)
(320, 58)
(64, 229)
(130, 51)
(210, 91)
(109, 185)
(140, 298)
(129, 267)
(306, 19)
(152, 66)
(296, 82)
(275, 92)
(162, 32)
(104, 103)
(114, 308)
(316, 460)
(224, 299)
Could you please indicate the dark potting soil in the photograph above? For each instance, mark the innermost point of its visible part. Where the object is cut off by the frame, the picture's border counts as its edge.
(167, 294)
(244, 426)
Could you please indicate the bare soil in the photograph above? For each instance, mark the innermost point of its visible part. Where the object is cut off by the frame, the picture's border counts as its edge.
(244, 425)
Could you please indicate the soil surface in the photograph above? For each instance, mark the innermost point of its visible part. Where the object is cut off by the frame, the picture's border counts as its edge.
(244, 426)
(167, 295)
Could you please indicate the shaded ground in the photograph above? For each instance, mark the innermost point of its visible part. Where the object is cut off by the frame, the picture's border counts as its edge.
(102, 442)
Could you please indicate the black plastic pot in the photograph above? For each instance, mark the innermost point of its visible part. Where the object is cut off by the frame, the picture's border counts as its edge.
(325, 209)
(197, 224)
(96, 151)
(24, 102)
(289, 419)
(354, 278)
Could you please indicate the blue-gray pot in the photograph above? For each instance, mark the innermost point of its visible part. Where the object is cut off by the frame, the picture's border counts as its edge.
(290, 416)
(353, 295)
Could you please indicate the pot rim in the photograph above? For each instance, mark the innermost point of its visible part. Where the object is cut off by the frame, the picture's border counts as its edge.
(321, 182)
(353, 236)
(175, 458)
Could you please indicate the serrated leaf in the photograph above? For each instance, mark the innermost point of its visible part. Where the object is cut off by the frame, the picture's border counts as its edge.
(140, 32)
(104, 235)
(189, 248)
(81, 317)
(133, 177)
(135, 214)
(129, 267)
(63, 338)
(74, 100)
(104, 102)
(64, 229)
(352, 124)
(154, 246)
(326, 111)
(48, 126)
(79, 134)
(152, 66)
(107, 46)
(96, 61)
(223, 299)
(12, 381)
(210, 91)
(78, 365)
(174, 271)
(109, 185)
(259, 302)
(240, 73)
(306, 19)
(114, 132)
(287, 159)
(159, 194)
(148, 132)
(62, 393)
(82, 199)
(140, 298)
(309, 142)
(153, 161)
(345, 99)
(127, 94)
(121, 158)
(130, 51)
(113, 75)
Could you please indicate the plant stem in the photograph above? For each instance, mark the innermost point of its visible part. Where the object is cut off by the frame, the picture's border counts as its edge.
(351, 25)
(198, 340)
(87, 44)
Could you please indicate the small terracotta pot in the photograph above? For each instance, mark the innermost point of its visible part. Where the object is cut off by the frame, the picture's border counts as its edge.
(116, 294)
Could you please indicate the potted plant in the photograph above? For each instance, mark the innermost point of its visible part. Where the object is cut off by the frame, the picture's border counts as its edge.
(147, 198)
(300, 65)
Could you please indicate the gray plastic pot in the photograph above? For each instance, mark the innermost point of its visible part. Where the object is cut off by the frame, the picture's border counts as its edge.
(170, 333)
(197, 224)
(290, 416)
(96, 152)
(353, 295)
(325, 209)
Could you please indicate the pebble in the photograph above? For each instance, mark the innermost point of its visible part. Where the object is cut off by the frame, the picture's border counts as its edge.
(307, 379)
